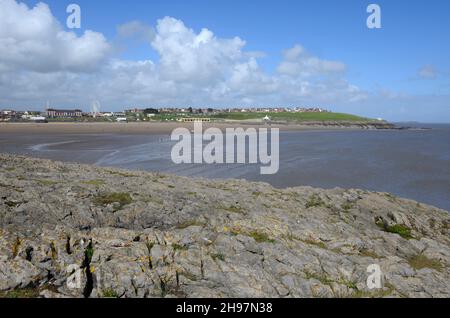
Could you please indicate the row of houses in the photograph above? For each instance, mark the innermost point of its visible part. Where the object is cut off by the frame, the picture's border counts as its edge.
(277, 110)
(52, 113)
(64, 113)
(211, 110)
(12, 115)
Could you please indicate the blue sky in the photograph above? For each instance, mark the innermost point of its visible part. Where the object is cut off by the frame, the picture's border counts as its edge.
(385, 64)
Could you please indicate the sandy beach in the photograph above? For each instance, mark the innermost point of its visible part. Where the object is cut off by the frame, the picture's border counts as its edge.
(159, 127)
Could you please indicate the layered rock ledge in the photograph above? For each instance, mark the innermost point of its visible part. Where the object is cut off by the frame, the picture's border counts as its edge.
(70, 230)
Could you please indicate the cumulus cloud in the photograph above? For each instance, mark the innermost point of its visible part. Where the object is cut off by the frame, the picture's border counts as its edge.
(40, 61)
(188, 56)
(32, 39)
(298, 62)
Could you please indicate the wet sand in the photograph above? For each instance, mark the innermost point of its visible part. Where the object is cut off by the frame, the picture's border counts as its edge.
(157, 128)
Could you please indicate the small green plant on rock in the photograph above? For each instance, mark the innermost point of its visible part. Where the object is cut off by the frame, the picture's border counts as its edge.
(189, 223)
(46, 182)
(319, 244)
(96, 182)
(21, 293)
(421, 261)
(109, 293)
(178, 247)
(401, 230)
(368, 253)
(218, 256)
(314, 201)
(260, 237)
(347, 206)
(117, 197)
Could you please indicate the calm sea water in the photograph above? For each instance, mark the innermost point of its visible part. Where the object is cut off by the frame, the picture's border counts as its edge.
(414, 163)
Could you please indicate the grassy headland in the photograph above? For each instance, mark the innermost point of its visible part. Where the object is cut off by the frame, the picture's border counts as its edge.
(293, 116)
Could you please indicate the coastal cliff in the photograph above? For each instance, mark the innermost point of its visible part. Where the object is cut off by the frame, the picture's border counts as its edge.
(70, 230)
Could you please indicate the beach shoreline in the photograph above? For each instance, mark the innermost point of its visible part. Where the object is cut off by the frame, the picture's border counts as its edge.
(167, 128)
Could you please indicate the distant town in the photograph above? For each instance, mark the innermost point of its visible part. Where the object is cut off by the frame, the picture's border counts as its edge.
(146, 114)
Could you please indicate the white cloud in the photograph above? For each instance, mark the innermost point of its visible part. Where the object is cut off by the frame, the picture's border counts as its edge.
(39, 61)
(297, 62)
(32, 39)
(186, 56)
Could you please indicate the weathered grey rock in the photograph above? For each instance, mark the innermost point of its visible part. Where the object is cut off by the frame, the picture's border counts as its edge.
(72, 230)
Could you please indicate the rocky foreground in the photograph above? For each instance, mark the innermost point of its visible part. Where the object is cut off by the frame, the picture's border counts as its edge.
(69, 230)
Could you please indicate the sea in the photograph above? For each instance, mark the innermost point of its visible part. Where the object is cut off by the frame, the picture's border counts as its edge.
(413, 163)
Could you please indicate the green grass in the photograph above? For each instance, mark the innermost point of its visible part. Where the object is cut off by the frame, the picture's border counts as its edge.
(347, 206)
(368, 253)
(120, 198)
(218, 256)
(314, 201)
(89, 252)
(168, 117)
(21, 293)
(110, 293)
(178, 247)
(421, 261)
(315, 243)
(46, 182)
(301, 117)
(260, 237)
(401, 230)
(321, 277)
(186, 224)
(378, 293)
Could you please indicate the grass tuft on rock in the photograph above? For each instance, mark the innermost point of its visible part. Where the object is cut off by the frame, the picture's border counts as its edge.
(260, 237)
(109, 293)
(401, 230)
(189, 223)
(178, 247)
(314, 201)
(21, 293)
(117, 197)
(421, 261)
(218, 256)
(96, 182)
(347, 206)
(46, 182)
(319, 244)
